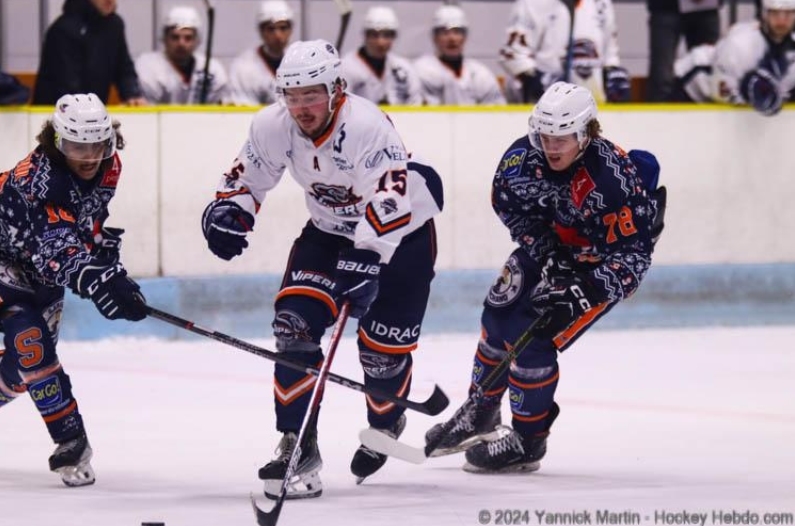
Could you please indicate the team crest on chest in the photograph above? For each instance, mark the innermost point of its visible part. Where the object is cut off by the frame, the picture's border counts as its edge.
(340, 199)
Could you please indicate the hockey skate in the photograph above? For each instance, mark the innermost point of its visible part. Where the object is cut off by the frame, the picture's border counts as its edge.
(474, 426)
(305, 481)
(366, 461)
(72, 461)
(510, 453)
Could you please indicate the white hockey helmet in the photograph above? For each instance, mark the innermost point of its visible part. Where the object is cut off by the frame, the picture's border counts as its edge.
(782, 5)
(381, 18)
(309, 63)
(82, 124)
(450, 17)
(183, 17)
(563, 109)
(274, 11)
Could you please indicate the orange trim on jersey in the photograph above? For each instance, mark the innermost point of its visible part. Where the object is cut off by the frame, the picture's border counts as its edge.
(578, 326)
(62, 413)
(324, 297)
(487, 361)
(493, 392)
(233, 193)
(34, 376)
(288, 396)
(326, 134)
(538, 385)
(22, 169)
(384, 228)
(380, 409)
(536, 418)
(388, 349)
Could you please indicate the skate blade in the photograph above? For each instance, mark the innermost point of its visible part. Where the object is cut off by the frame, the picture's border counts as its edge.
(76, 476)
(527, 467)
(307, 486)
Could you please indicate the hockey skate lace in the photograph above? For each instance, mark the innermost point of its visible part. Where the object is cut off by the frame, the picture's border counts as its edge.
(466, 422)
(506, 443)
(285, 449)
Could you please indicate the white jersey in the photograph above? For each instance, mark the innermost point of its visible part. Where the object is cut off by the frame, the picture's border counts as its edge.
(399, 83)
(440, 85)
(252, 82)
(356, 177)
(714, 74)
(595, 44)
(162, 83)
(538, 38)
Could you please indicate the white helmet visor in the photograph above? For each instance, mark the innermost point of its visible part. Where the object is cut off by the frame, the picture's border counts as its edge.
(86, 151)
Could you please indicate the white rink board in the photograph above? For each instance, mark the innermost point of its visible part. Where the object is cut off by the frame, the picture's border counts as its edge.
(728, 173)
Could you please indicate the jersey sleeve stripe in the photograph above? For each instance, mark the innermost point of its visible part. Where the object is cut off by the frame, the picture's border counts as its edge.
(382, 228)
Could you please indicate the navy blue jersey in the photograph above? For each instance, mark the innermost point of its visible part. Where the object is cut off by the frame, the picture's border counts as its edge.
(598, 210)
(49, 223)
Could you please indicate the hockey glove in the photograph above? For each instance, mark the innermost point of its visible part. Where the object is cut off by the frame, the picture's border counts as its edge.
(225, 225)
(617, 84)
(114, 294)
(560, 264)
(357, 279)
(562, 302)
(761, 89)
(107, 244)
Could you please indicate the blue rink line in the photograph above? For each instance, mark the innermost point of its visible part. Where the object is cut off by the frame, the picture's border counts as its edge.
(670, 296)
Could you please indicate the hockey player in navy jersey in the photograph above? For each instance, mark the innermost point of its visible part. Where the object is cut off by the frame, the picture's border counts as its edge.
(53, 208)
(370, 240)
(584, 217)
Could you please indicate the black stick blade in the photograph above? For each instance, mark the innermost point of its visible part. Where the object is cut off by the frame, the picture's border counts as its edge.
(267, 518)
(437, 402)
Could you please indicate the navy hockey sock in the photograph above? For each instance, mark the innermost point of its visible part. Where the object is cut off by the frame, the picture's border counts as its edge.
(532, 393)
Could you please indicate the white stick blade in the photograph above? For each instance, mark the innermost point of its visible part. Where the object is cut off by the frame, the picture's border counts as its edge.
(378, 441)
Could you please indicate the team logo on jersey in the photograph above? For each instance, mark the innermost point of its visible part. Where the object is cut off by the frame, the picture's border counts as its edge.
(342, 163)
(333, 195)
(389, 206)
(516, 397)
(581, 186)
(11, 277)
(511, 164)
(508, 284)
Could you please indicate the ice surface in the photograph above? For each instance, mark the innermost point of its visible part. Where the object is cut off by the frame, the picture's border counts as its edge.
(658, 420)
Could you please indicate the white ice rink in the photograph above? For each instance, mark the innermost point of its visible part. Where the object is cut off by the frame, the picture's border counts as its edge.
(696, 420)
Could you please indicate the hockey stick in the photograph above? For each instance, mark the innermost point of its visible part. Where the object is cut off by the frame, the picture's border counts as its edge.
(269, 518)
(346, 9)
(571, 5)
(392, 447)
(434, 405)
(210, 30)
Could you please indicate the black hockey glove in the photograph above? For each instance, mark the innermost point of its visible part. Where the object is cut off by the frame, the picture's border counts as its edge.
(114, 294)
(617, 84)
(107, 244)
(225, 225)
(356, 280)
(561, 302)
(761, 89)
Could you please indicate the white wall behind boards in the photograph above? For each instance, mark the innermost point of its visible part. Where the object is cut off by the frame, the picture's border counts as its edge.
(729, 172)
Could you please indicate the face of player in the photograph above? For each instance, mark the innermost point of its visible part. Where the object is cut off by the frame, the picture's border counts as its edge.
(275, 36)
(105, 7)
(180, 44)
(84, 159)
(560, 151)
(780, 23)
(378, 43)
(309, 107)
(450, 42)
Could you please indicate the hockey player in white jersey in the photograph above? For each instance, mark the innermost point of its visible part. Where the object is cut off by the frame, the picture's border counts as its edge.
(176, 74)
(373, 71)
(447, 76)
(370, 241)
(752, 64)
(252, 75)
(538, 40)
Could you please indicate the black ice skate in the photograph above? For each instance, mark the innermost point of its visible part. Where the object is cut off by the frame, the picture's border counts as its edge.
(305, 481)
(72, 461)
(366, 461)
(510, 453)
(473, 427)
